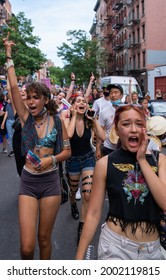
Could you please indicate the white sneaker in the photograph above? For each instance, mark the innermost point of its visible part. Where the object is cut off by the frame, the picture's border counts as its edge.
(4, 151)
(78, 194)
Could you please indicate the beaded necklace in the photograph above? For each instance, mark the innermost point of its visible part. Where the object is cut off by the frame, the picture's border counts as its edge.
(43, 121)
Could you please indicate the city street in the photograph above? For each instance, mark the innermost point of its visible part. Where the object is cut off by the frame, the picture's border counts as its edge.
(65, 230)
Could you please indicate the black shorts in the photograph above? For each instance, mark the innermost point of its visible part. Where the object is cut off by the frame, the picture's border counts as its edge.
(41, 185)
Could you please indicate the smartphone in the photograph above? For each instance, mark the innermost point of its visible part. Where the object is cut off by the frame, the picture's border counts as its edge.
(34, 159)
(90, 113)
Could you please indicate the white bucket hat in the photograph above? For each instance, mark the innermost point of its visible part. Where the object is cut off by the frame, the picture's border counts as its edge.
(156, 125)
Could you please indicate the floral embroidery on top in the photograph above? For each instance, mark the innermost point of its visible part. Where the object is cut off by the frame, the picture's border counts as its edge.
(135, 186)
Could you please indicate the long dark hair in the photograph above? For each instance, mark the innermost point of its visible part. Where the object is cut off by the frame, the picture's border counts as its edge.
(87, 122)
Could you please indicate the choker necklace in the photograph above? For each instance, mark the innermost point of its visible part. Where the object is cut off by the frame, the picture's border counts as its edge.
(39, 124)
(42, 113)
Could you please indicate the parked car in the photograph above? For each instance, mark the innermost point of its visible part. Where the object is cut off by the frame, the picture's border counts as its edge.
(124, 82)
(158, 108)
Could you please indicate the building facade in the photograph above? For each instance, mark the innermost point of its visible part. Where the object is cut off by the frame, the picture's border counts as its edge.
(132, 34)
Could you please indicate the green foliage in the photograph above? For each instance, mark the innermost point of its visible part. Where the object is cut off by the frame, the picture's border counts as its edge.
(79, 56)
(27, 57)
(56, 75)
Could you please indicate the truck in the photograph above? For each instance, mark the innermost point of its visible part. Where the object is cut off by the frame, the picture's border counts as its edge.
(124, 82)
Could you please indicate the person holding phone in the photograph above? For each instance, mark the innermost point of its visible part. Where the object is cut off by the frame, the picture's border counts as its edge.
(80, 124)
(44, 134)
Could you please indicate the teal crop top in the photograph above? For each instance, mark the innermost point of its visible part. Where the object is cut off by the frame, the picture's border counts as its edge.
(49, 140)
(30, 139)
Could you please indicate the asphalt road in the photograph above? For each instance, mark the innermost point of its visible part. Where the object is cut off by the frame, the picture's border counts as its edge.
(64, 237)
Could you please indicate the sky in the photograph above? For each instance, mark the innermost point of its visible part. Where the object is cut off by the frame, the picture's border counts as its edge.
(51, 20)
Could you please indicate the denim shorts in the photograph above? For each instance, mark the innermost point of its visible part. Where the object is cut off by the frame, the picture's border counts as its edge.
(76, 164)
(113, 246)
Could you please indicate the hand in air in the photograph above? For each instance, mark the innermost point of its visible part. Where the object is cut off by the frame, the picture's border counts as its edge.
(8, 43)
(92, 78)
(72, 75)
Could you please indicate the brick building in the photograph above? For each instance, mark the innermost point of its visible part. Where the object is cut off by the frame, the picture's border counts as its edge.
(131, 34)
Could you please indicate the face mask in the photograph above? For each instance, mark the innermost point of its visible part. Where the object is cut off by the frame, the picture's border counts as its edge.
(116, 102)
(106, 93)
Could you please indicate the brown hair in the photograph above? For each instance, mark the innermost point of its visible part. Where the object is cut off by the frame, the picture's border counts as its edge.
(125, 107)
(42, 90)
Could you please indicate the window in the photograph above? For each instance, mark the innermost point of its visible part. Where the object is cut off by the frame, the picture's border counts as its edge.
(144, 59)
(143, 7)
(143, 31)
(133, 37)
(138, 35)
(137, 12)
(134, 62)
(138, 60)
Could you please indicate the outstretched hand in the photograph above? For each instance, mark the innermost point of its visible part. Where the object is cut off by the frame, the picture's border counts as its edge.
(142, 149)
(8, 44)
(72, 75)
(92, 78)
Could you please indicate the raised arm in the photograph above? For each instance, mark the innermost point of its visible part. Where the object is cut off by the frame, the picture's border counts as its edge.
(89, 88)
(130, 91)
(71, 122)
(21, 109)
(99, 131)
(70, 90)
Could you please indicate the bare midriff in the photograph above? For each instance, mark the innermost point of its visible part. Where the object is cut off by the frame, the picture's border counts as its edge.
(44, 152)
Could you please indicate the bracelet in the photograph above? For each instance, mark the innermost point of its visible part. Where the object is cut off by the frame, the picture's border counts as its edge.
(9, 64)
(66, 143)
(54, 160)
(9, 57)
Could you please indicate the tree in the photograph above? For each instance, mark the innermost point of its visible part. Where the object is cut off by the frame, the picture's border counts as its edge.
(27, 57)
(80, 56)
(56, 75)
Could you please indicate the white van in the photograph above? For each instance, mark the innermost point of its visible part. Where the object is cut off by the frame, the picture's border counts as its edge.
(124, 82)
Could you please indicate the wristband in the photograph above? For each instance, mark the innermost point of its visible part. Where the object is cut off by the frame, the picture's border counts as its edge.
(9, 64)
(54, 160)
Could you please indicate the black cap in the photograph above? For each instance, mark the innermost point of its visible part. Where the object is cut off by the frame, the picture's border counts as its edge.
(109, 87)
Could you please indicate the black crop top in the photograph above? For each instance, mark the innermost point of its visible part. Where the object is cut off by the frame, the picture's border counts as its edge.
(81, 145)
(130, 200)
